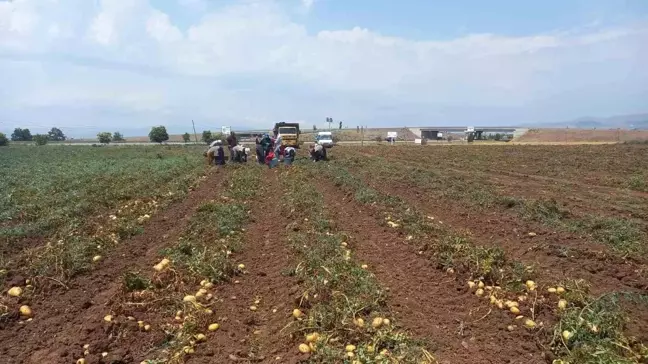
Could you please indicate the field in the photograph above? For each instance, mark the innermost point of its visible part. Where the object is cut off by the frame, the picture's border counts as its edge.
(384, 254)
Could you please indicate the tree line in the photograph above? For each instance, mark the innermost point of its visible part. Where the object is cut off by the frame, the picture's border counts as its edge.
(158, 134)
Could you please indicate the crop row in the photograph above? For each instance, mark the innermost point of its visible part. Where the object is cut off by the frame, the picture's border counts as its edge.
(625, 236)
(174, 300)
(77, 203)
(585, 328)
(342, 313)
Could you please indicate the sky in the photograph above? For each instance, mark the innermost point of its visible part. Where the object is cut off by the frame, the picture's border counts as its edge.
(125, 65)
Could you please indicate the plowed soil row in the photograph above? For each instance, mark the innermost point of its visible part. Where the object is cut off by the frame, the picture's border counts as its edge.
(256, 336)
(579, 197)
(545, 250)
(66, 319)
(433, 305)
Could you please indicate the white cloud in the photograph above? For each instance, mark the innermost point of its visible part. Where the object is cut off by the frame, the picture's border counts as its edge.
(308, 4)
(160, 28)
(252, 62)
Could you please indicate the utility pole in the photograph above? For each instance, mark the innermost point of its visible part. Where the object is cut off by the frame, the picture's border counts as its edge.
(194, 128)
(362, 136)
(329, 121)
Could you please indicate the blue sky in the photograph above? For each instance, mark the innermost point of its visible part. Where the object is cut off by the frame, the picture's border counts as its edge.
(88, 66)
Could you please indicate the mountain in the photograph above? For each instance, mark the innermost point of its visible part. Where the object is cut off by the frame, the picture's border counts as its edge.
(632, 121)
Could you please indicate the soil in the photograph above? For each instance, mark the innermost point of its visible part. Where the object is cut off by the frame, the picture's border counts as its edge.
(545, 250)
(74, 313)
(582, 135)
(257, 336)
(436, 307)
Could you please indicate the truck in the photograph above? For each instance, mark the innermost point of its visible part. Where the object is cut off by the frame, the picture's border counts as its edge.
(289, 133)
(325, 139)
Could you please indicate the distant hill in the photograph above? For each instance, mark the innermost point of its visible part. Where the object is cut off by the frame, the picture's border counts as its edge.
(633, 121)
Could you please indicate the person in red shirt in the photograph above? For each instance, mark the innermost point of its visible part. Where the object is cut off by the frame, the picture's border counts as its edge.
(269, 159)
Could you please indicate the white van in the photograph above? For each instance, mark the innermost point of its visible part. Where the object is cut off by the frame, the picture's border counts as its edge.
(325, 139)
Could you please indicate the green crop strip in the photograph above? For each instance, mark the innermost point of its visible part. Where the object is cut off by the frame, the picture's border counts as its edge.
(346, 318)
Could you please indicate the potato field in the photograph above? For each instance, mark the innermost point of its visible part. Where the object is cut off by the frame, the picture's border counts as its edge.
(383, 254)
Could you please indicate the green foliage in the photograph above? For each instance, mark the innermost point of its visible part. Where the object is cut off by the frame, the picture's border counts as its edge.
(207, 136)
(59, 194)
(3, 140)
(215, 229)
(638, 182)
(158, 134)
(104, 137)
(117, 137)
(336, 290)
(545, 211)
(186, 137)
(21, 135)
(56, 135)
(595, 327)
(622, 235)
(41, 139)
(134, 281)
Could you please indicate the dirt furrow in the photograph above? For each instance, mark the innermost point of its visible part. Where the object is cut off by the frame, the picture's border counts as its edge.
(559, 255)
(433, 305)
(248, 335)
(66, 319)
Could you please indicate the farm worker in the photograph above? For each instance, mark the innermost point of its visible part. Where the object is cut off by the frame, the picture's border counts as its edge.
(317, 152)
(271, 159)
(239, 154)
(289, 155)
(231, 143)
(215, 153)
(277, 146)
(260, 150)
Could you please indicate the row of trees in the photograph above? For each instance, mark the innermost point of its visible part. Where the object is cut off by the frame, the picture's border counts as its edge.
(105, 137)
(158, 134)
(24, 135)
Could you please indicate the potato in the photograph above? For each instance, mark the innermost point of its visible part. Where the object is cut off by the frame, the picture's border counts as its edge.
(15, 292)
(562, 304)
(529, 323)
(304, 348)
(349, 348)
(377, 322)
(25, 311)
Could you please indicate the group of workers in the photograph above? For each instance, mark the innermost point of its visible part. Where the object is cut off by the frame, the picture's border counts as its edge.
(269, 151)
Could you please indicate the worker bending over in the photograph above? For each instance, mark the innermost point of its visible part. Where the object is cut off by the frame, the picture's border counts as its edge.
(215, 154)
(317, 152)
(289, 155)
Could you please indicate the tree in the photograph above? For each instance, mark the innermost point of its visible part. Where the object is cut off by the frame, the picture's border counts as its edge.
(218, 136)
(186, 137)
(498, 136)
(117, 137)
(104, 137)
(207, 136)
(56, 135)
(41, 139)
(340, 125)
(3, 140)
(314, 127)
(21, 135)
(358, 128)
(158, 134)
